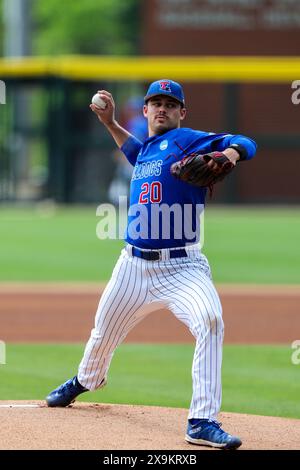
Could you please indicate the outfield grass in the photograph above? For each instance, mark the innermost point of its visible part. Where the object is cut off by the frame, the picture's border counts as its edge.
(256, 379)
(249, 245)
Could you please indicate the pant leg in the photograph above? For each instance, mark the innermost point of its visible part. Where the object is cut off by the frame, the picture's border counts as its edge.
(118, 312)
(186, 287)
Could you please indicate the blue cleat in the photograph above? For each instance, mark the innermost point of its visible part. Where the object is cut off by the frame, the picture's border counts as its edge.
(207, 432)
(66, 393)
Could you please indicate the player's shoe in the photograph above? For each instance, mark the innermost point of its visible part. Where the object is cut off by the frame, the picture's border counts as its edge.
(66, 393)
(208, 432)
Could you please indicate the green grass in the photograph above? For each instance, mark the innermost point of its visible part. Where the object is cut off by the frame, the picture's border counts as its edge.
(254, 245)
(256, 379)
(249, 245)
(61, 246)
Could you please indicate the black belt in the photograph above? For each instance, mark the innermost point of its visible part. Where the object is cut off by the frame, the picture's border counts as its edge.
(156, 255)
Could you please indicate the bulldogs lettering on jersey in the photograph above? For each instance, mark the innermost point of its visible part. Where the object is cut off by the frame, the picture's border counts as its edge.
(145, 170)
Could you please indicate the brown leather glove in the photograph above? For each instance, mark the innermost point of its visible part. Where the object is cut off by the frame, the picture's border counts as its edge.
(202, 170)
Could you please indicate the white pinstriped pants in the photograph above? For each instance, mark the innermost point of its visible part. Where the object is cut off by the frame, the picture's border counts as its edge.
(184, 286)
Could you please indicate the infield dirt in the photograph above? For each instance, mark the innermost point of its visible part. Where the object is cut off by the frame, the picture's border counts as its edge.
(44, 313)
(95, 426)
(252, 314)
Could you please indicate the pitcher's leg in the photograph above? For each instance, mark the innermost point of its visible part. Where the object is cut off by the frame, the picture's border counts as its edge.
(204, 319)
(193, 299)
(117, 314)
(206, 370)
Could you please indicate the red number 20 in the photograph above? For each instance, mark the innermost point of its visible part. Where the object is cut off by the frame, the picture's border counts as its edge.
(154, 190)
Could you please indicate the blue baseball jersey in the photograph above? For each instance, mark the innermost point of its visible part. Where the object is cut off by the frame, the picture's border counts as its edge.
(164, 212)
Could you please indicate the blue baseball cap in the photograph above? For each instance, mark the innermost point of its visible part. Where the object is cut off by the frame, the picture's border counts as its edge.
(165, 87)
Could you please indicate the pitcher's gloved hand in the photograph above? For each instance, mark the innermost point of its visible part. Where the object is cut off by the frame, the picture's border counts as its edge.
(202, 170)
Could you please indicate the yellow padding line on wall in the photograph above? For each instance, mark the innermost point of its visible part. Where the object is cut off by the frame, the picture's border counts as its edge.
(190, 69)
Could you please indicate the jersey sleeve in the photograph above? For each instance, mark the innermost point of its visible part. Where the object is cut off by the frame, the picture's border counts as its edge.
(222, 142)
(131, 148)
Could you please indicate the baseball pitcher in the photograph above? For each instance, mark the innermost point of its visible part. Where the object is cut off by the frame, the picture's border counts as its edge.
(162, 259)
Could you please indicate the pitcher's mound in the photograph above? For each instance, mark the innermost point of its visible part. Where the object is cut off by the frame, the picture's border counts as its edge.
(31, 425)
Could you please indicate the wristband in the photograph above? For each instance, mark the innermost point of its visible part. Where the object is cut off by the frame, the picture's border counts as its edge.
(240, 150)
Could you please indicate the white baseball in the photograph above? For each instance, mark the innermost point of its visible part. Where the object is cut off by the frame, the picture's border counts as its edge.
(98, 101)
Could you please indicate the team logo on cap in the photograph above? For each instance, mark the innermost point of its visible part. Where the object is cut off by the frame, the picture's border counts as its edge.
(165, 85)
